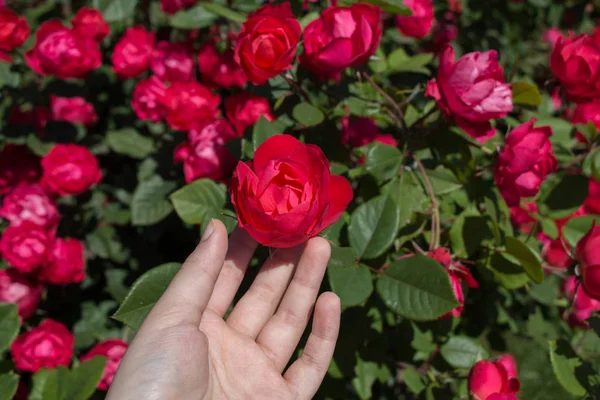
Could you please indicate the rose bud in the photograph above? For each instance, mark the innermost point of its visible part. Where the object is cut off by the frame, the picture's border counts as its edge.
(17, 165)
(552, 35)
(471, 99)
(26, 247)
(17, 289)
(358, 131)
(189, 103)
(588, 254)
(173, 62)
(15, 31)
(69, 169)
(47, 346)
(591, 204)
(267, 42)
(287, 194)
(148, 99)
(525, 162)
(420, 22)
(66, 263)
(488, 377)
(583, 306)
(172, 6)
(61, 52)
(219, 70)
(585, 113)
(244, 109)
(341, 37)
(29, 202)
(204, 154)
(113, 350)
(90, 23)
(133, 52)
(75, 110)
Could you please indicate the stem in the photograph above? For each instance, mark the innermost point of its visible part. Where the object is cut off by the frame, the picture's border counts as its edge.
(423, 368)
(481, 147)
(435, 217)
(296, 87)
(424, 117)
(387, 98)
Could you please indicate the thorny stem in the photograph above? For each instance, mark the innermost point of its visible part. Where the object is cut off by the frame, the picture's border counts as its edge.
(387, 98)
(296, 87)
(435, 216)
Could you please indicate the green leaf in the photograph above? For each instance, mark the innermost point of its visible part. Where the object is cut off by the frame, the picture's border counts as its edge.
(408, 195)
(84, 378)
(92, 324)
(9, 325)
(594, 322)
(149, 204)
(264, 129)
(225, 12)
(443, 181)
(373, 227)
(383, 161)
(350, 281)
(367, 372)
(50, 384)
(144, 293)
(552, 201)
(507, 273)
(564, 364)
(193, 18)
(116, 10)
(576, 228)
(391, 6)
(399, 61)
(530, 261)
(595, 164)
(463, 352)
(307, 114)
(199, 200)
(7, 77)
(526, 94)
(418, 288)
(8, 386)
(414, 380)
(130, 143)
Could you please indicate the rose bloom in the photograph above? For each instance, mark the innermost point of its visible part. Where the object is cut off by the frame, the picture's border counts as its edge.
(75, 110)
(173, 62)
(113, 350)
(219, 70)
(89, 22)
(592, 202)
(245, 109)
(148, 101)
(17, 165)
(287, 194)
(583, 306)
(70, 169)
(29, 202)
(588, 254)
(61, 52)
(172, 6)
(585, 113)
(525, 162)
(66, 264)
(521, 216)
(133, 52)
(47, 346)
(358, 131)
(267, 42)
(420, 22)
(341, 37)
(189, 103)
(204, 154)
(471, 91)
(552, 35)
(26, 246)
(443, 34)
(15, 31)
(494, 377)
(17, 289)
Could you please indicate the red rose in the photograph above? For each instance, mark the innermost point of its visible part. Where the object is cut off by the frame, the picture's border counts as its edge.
(26, 247)
(172, 6)
(471, 91)
(588, 255)
(47, 346)
(66, 264)
(15, 31)
(267, 42)
(585, 113)
(73, 109)
(113, 350)
(204, 154)
(592, 202)
(341, 37)
(188, 104)
(583, 306)
(62, 52)
(488, 377)
(552, 35)
(17, 289)
(17, 165)
(148, 99)
(521, 217)
(133, 52)
(173, 62)
(358, 131)
(70, 169)
(29, 202)
(525, 162)
(245, 109)
(89, 22)
(287, 195)
(219, 69)
(420, 22)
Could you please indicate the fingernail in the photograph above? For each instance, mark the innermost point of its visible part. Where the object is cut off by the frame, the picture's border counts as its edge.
(210, 228)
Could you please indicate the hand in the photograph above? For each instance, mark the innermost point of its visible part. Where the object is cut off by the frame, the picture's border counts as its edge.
(186, 350)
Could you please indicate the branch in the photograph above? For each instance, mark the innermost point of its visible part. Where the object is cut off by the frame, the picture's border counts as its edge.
(296, 87)
(387, 98)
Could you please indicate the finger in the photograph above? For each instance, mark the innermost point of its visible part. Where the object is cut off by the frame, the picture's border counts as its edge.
(241, 249)
(306, 374)
(259, 303)
(281, 334)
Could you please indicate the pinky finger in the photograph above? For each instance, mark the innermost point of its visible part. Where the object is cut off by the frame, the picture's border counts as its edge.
(306, 374)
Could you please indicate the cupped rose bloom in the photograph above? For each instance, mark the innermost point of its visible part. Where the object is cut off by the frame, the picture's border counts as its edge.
(20, 290)
(30, 202)
(173, 62)
(89, 22)
(287, 194)
(525, 162)
(188, 104)
(592, 202)
(113, 350)
(494, 377)
(70, 169)
(204, 154)
(133, 52)
(552, 35)
(47, 346)
(574, 62)
(583, 306)
(172, 6)
(420, 22)
(66, 264)
(585, 113)
(588, 254)
(148, 99)
(341, 37)
(61, 52)
(17, 166)
(15, 31)
(471, 91)
(75, 110)
(219, 69)
(245, 109)
(26, 246)
(358, 131)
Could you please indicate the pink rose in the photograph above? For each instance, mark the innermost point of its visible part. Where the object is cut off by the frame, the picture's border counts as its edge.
(66, 263)
(113, 350)
(26, 247)
(70, 169)
(172, 6)
(420, 22)
(219, 69)
(188, 104)
(521, 216)
(488, 377)
(148, 99)
(15, 31)
(73, 109)
(17, 289)
(29, 202)
(583, 306)
(133, 52)
(17, 165)
(89, 22)
(173, 62)
(245, 109)
(552, 35)
(588, 255)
